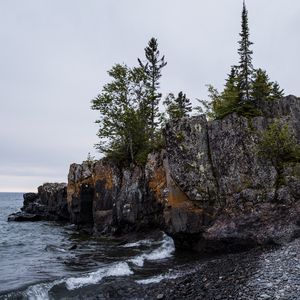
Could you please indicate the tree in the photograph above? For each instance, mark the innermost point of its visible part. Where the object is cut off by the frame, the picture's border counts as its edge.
(221, 104)
(178, 107)
(245, 67)
(277, 92)
(152, 68)
(121, 125)
(261, 87)
(230, 94)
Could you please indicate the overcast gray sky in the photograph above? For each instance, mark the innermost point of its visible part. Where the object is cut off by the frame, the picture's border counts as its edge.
(55, 53)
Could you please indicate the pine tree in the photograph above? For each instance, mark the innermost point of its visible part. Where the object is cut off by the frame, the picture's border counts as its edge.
(152, 68)
(178, 107)
(261, 87)
(245, 63)
(277, 92)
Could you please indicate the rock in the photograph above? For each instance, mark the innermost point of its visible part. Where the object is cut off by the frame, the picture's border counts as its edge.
(50, 203)
(23, 217)
(160, 296)
(208, 189)
(111, 200)
(29, 198)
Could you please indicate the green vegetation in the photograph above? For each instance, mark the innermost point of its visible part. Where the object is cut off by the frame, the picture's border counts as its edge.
(130, 122)
(129, 110)
(244, 85)
(177, 107)
(152, 70)
(279, 145)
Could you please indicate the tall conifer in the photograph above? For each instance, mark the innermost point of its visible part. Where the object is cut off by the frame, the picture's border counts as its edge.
(245, 63)
(152, 68)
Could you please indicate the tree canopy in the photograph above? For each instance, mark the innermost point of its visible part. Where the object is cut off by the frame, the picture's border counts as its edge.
(130, 115)
(244, 85)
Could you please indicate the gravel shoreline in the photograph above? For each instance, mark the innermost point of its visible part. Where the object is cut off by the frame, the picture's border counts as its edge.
(261, 273)
(272, 273)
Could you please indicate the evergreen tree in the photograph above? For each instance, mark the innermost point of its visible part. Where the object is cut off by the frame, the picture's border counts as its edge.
(230, 94)
(178, 107)
(245, 63)
(261, 87)
(152, 68)
(277, 92)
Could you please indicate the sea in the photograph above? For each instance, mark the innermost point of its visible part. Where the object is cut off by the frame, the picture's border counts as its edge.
(49, 260)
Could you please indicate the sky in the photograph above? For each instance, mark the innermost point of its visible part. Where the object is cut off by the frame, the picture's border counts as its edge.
(55, 54)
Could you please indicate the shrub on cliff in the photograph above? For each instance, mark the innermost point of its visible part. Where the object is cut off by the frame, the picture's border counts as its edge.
(279, 145)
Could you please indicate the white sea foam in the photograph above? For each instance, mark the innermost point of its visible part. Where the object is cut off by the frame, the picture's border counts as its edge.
(140, 243)
(156, 279)
(164, 251)
(118, 269)
(40, 291)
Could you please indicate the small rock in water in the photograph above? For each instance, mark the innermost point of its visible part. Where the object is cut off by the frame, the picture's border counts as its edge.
(160, 296)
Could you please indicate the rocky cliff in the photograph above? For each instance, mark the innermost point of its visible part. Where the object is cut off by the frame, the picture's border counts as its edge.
(209, 188)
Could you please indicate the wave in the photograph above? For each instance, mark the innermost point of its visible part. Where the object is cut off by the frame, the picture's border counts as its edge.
(55, 248)
(118, 269)
(40, 291)
(164, 251)
(149, 242)
(156, 279)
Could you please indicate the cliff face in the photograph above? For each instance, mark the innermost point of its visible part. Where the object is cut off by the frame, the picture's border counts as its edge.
(216, 164)
(209, 189)
(111, 200)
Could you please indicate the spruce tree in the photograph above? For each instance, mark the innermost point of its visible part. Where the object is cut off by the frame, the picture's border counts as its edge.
(152, 68)
(277, 92)
(245, 63)
(178, 107)
(230, 94)
(261, 87)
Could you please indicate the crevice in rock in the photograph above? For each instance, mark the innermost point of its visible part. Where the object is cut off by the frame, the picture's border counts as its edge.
(213, 170)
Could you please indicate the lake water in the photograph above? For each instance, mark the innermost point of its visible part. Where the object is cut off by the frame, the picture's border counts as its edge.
(36, 263)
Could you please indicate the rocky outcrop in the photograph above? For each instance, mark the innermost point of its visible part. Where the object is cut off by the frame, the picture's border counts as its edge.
(216, 164)
(209, 189)
(111, 200)
(50, 203)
